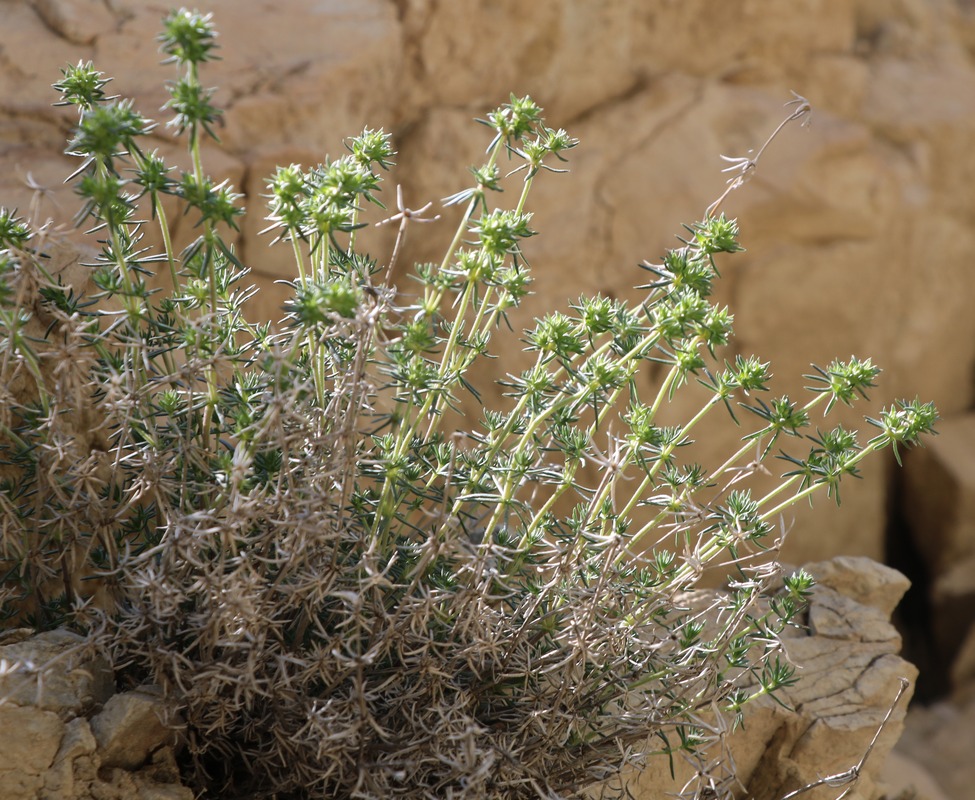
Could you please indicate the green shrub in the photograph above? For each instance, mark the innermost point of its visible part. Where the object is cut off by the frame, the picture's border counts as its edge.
(341, 595)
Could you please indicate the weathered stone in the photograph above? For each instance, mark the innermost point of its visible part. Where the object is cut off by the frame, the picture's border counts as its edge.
(162, 768)
(839, 617)
(50, 751)
(953, 607)
(905, 778)
(75, 765)
(940, 738)
(119, 784)
(78, 21)
(941, 487)
(31, 739)
(963, 669)
(165, 792)
(940, 505)
(849, 675)
(52, 671)
(131, 728)
(862, 581)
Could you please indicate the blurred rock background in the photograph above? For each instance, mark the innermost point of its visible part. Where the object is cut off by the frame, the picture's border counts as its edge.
(859, 229)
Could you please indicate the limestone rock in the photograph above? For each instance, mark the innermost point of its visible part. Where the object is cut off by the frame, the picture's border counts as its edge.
(963, 669)
(940, 738)
(31, 738)
(904, 778)
(53, 672)
(78, 21)
(953, 607)
(65, 734)
(75, 764)
(941, 485)
(849, 674)
(862, 582)
(131, 727)
(940, 505)
(119, 784)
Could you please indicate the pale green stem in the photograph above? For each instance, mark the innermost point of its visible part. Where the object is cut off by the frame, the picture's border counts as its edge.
(469, 288)
(520, 208)
(665, 454)
(193, 77)
(714, 547)
(570, 471)
(536, 422)
(299, 259)
(194, 148)
(410, 426)
(790, 501)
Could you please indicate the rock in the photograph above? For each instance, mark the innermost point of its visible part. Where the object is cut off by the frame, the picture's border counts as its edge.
(119, 784)
(131, 728)
(166, 792)
(75, 765)
(904, 778)
(941, 486)
(849, 675)
(862, 582)
(939, 501)
(846, 687)
(65, 734)
(940, 738)
(53, 672)
(31, 739)
(963, 669)
(78, 21)
(953, 607)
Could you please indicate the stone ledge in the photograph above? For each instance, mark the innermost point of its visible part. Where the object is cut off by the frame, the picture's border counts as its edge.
(65, 734)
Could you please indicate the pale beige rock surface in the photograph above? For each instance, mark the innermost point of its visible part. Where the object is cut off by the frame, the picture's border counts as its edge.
(52, 672)
(66, 735)
(33, 737)
(940, 505)
(940, 738)
(130, 728)
(849, 674)
(75, 765)
(78, 21)
(942, 477)
(905, 777)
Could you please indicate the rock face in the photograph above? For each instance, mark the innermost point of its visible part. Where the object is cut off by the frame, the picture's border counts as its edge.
(940, 485)
(849, 674)
(66, 735)
(939, 503)
(940, 737)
